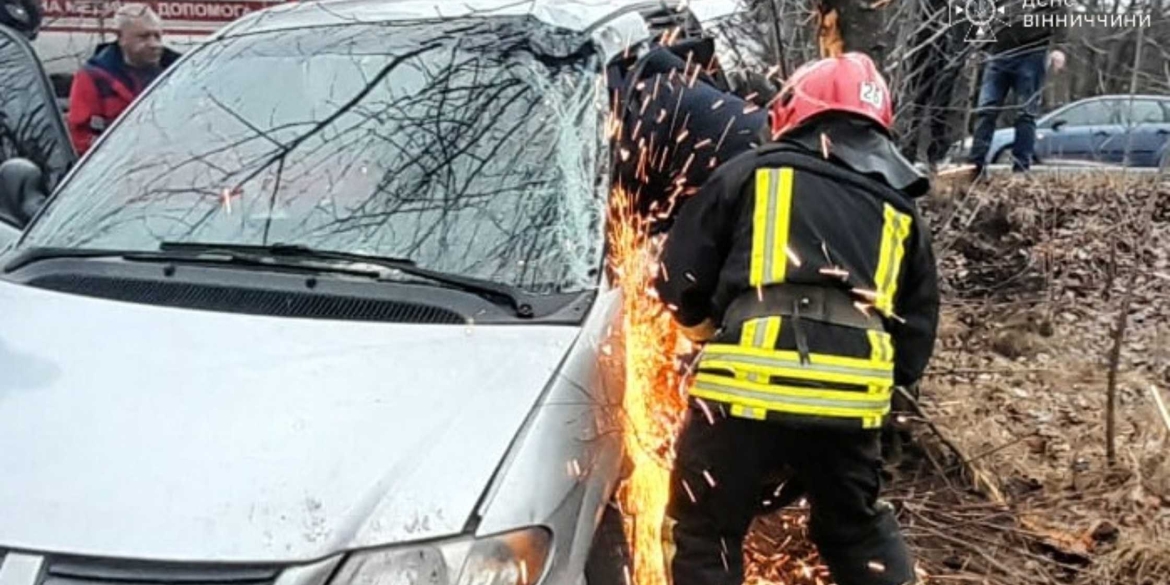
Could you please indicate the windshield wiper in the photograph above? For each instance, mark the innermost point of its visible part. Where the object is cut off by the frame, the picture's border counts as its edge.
(519, 300)
(36, 254)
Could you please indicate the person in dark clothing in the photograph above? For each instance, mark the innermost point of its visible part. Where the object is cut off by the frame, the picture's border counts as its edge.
(679, 120)
(22, 16)
(806, 273)
(117, 73)
(1026, 44)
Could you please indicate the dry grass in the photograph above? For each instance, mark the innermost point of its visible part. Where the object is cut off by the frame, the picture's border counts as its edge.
(1033, 274)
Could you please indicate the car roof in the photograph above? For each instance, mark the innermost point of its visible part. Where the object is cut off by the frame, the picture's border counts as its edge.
(1100, 98)
(579, 15)
(1121, 96)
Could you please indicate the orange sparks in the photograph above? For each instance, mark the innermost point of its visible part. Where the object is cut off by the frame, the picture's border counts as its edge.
(717, 105)
(826, 144)
(652, 405)
(726, 130)
(864, 308)
(865, 293)
(687, 166)
(704, 143)
(792, 257)
(650, 344)
(706, 410)
(835, 272)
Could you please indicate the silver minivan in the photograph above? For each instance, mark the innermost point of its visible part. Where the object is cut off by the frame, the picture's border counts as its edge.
(325, 306)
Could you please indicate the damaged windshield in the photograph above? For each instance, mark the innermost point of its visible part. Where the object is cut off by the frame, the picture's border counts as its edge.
(471, 147)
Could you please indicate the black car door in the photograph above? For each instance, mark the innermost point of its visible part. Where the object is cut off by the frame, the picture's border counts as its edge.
(31, 125)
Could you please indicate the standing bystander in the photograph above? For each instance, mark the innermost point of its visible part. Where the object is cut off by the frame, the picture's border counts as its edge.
(117, 73)
(1025, 47)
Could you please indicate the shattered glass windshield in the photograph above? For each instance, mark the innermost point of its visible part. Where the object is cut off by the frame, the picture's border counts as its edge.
(472, 147)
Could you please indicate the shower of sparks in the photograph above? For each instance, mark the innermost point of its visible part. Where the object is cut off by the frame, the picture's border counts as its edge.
(653, 407)
(650, 348)
(792, 257)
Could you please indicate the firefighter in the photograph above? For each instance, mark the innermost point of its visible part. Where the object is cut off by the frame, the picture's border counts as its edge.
(680, 119)
(806, 273)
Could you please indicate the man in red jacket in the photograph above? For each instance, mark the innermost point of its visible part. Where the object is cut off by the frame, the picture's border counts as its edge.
(117, 73)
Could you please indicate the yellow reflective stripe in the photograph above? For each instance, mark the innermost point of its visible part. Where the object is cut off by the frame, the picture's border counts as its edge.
(751, 329)
(779, 405)
(816, 359)
(757, 371)
(881, 350)
(770, 223)
(729, 394)
(741, 411)
(777, 361)
(895, 230)
(771, 332)
(760, 226)
(838, 398)
(760, 334)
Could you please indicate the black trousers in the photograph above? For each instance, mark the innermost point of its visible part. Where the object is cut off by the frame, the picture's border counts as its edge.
(716, 489)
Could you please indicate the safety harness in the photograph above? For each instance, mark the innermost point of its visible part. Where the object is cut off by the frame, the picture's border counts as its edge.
(756, 380)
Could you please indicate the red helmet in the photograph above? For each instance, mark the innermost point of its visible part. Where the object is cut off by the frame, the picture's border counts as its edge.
(848, 83)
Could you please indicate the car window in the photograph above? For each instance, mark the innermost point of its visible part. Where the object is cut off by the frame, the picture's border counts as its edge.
(469, 146)
(737, 42)
(30, 126)
(1096, 112)
(8, 235)
(1143, 112)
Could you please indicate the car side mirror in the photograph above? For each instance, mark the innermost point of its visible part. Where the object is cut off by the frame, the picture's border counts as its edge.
(21, 191)
(1058, 124)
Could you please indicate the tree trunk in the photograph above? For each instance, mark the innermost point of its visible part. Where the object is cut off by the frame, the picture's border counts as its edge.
(861, 27)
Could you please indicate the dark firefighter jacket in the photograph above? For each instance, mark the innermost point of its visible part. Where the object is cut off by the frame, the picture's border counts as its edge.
(819, 272)
(678, 122)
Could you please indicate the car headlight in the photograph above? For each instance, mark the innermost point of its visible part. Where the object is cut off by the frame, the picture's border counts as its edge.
(514, 558)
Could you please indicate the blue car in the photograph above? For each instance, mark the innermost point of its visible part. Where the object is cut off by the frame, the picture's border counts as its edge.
(1097, 130)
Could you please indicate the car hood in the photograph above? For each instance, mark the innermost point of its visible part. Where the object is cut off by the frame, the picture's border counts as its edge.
(156, 433)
